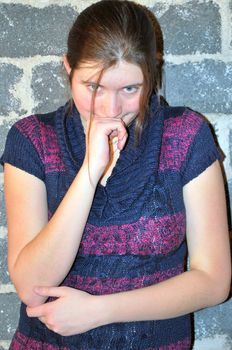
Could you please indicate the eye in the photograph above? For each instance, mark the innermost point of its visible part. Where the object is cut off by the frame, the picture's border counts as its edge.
(130, 89)
(93, 87)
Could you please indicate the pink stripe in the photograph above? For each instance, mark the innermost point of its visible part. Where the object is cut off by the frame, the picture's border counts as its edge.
(99, 286)
(144, 237)
(180, 345)
(178, 136)
(22, 342)
(45, 142)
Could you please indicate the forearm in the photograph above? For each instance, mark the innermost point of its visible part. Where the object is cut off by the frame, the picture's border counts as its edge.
(177, 296)
(47, 259)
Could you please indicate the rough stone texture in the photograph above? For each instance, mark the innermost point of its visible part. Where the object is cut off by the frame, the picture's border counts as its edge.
(4, 275)
(9, 313)
(49, 87)
(27, 31)
(204, 86)
(10, 75)
(5, 345)
(192, 27)
(4, 128)
(2, 211)
(159, 10)
(217, 342)
(215, 320)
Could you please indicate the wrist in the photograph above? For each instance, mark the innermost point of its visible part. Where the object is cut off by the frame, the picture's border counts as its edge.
(92, 177)
(94, 171)
(108, 311)
(105, 310)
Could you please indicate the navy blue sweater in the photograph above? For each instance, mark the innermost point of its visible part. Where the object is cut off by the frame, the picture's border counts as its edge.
(135, 233)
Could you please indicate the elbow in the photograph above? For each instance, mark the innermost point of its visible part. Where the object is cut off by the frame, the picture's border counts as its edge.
(225, 292)
(26, 293)
(220, 291)
(28, 297)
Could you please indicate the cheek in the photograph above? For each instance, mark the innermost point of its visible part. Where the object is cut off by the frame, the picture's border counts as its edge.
(132, 104)
(82, 102)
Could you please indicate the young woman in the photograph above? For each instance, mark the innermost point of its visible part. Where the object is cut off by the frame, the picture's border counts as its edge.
(106, 196)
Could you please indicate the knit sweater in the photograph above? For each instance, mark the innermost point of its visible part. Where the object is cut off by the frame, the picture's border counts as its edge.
(135, 233)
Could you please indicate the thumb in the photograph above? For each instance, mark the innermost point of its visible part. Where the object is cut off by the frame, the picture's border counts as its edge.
(49, 291)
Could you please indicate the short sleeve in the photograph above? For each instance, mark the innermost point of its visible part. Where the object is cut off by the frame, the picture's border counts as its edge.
(201, 154)
(20, 152)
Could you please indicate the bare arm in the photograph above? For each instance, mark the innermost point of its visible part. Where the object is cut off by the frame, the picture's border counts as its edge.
(208, 280)
(42, 252)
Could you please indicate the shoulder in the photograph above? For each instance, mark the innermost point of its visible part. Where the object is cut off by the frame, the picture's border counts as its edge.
(182, 126)
(181, 122)
(37, 133)
(31, 126)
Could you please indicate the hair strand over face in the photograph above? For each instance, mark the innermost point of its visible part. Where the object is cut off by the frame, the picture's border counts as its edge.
(110, 31)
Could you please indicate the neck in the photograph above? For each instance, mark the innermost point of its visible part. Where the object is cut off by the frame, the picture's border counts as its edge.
(83, 122)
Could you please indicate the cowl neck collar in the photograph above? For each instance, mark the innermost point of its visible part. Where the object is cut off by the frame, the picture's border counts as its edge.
(133, 170)
(72, 138)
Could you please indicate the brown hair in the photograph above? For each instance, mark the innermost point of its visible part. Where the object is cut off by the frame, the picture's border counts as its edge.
(112, 30)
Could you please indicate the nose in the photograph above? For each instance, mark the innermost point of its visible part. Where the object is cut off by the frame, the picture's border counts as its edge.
(112, 106)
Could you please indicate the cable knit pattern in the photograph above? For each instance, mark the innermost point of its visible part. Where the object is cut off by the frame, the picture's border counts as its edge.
(135, 234)
(44, 139)
(178, 136)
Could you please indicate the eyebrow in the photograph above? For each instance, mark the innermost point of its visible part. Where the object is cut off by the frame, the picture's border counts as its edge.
(94, 82)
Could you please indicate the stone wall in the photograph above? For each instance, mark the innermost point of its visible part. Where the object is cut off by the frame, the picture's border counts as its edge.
(197, 73)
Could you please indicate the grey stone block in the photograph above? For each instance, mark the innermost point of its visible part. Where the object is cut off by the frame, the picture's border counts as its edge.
(49, 86)
(9, 314)
(214, 320)
(27, 31)
(159, 10)
(194, 26)
(4, 275)
(2, 208)
(10, 75)
(4, 128)
(204, 86)
(4, 348)
(230, 145)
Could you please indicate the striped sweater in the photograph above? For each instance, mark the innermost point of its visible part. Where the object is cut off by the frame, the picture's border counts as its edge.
(135, 233)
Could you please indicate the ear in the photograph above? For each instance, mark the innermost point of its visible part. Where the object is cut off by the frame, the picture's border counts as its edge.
(66, 65)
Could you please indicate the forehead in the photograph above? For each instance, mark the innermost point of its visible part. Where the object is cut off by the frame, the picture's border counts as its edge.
(123, 72)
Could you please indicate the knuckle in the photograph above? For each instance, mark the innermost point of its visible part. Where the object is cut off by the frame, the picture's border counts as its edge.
(56, 330)
(28, 312)
(49, 320)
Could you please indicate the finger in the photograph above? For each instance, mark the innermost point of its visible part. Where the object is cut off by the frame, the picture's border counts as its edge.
(37, 311)
(122, 135)
(122, 141)
(42, 319)
(49, 291)
(113, 134)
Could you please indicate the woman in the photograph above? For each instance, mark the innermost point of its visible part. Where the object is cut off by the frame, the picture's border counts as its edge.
(112, 189)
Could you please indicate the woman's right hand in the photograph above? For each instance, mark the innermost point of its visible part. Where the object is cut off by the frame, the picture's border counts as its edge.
(99, 131)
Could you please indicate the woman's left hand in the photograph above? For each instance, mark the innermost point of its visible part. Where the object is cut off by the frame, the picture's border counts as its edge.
(73, 311)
